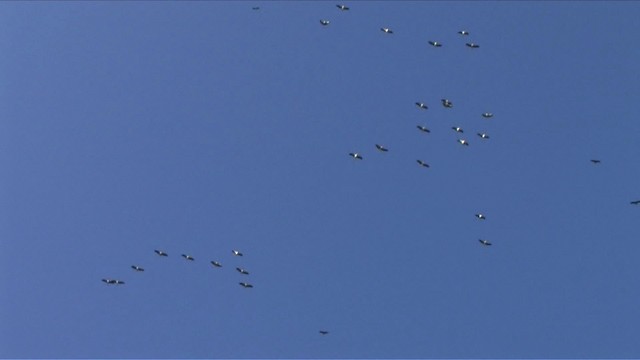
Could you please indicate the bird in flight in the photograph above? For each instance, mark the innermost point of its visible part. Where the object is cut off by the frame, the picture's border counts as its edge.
(458, 129)
(423, 129)
(113, 281)
(463, 32)
(473, 45)
(635, 202)
(188, 257)
(463, 142)
(216, 264)
(435, 43)
(487, 115)
(381, 148)
(484, 242)
(245, 285)
(446, 103)
(481, 217)
(386, 30)
(422, 105)
(137, 268)
(342, 7)
(256, 8)
(483, 135)
(242, 271)
(236, 252)
(323, 332)
(356, 156)
(324, 22)
(160, 253)
(595, 161)
(422, 163)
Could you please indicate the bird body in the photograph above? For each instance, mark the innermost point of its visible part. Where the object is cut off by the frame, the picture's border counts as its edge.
(422, 163)
(137, 268)
(423, 128)
(342, 7)
(435, 43)
(160, 253)
(458, 129)
(216, 264)
(381, 148)
(481, 217)
(323, 332)
(422, 105)
(483, 135)
(487, 115)
(446, 103)
(463, 142)
(635, 202)
(463, 32)
(188, 257)
(386, 30)
(484, 242)
(473, 45)
(245, 285)
(113, 281)
(356, 156)
(242, 271)
(595, 161)
(236, 252)
(324, 22)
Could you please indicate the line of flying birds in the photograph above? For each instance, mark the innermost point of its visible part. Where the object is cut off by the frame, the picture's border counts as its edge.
(187, 257)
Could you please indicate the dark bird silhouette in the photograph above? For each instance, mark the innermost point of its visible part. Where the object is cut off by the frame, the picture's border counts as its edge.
(342, 7)
(245, 285)
(356, 156)
(381, 148)
(137, 268)
(113, 281)
(473, 45)
(188, 257)
(595, 161)
(256, 8)
(481, 217)
(386, 30)
(446, 103)
(236, 252)
(422, 163)
(422, 105)
(435, 43)
(483, 135)
(323, 332)
(324, 22)
(487, 115)
(484, 242)
(423, 129)
(635, 202)
(463, 142)
(463, 32)
(216, 264)
(242, 271)
(458, 129)
(161, 253)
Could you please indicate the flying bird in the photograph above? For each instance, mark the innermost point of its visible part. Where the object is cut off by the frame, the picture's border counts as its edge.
(435, 43)
(463, 142)
(481, 217)
(422, 106)
(342, 7)
(137, 268)
(487, 115)
(483, 135)
(422, 163)
(324, 22)
(458, 129)
(216, 264)
(256, 8)
(636, 202)
(386, 30)
(242, 271)
(381, 148)
(245, 285)
(160, 253)
(446, 103)
(595, 161)
(188, 257)
(463, 32)
(323, 332)
(236, 252)
(113, 281)
(423, 129)
(484, 242)
(473, 45)
(356, 156)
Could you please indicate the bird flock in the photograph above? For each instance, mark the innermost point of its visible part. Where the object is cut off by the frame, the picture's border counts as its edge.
(357, 155)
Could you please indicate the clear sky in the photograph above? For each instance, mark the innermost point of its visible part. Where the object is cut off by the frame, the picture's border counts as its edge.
(202, 127)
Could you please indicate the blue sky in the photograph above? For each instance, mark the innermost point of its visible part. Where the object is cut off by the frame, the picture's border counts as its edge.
(202, 127)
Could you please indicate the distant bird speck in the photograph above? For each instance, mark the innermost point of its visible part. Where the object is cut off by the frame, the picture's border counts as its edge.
(245, 285)
(324, 22)
(342, 7)
(236, 252)
(595, 161)
(463, 142)
(137, 268)
(635, 202)
(386, 30)
(113, 282)
(188, 257)
(473, 45)
(356, 156)
(423, 128)
(323, 332)
(242, 271)
(463, 32)
(422, 163)
(483, 135)
(481, 217)
(484, 242)
(422, 105)
(446, 103)
(458, 129)
(160, 253)
(216, 264)
(435, 43)
(487, 115)
(256, 8)
(381, 148)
